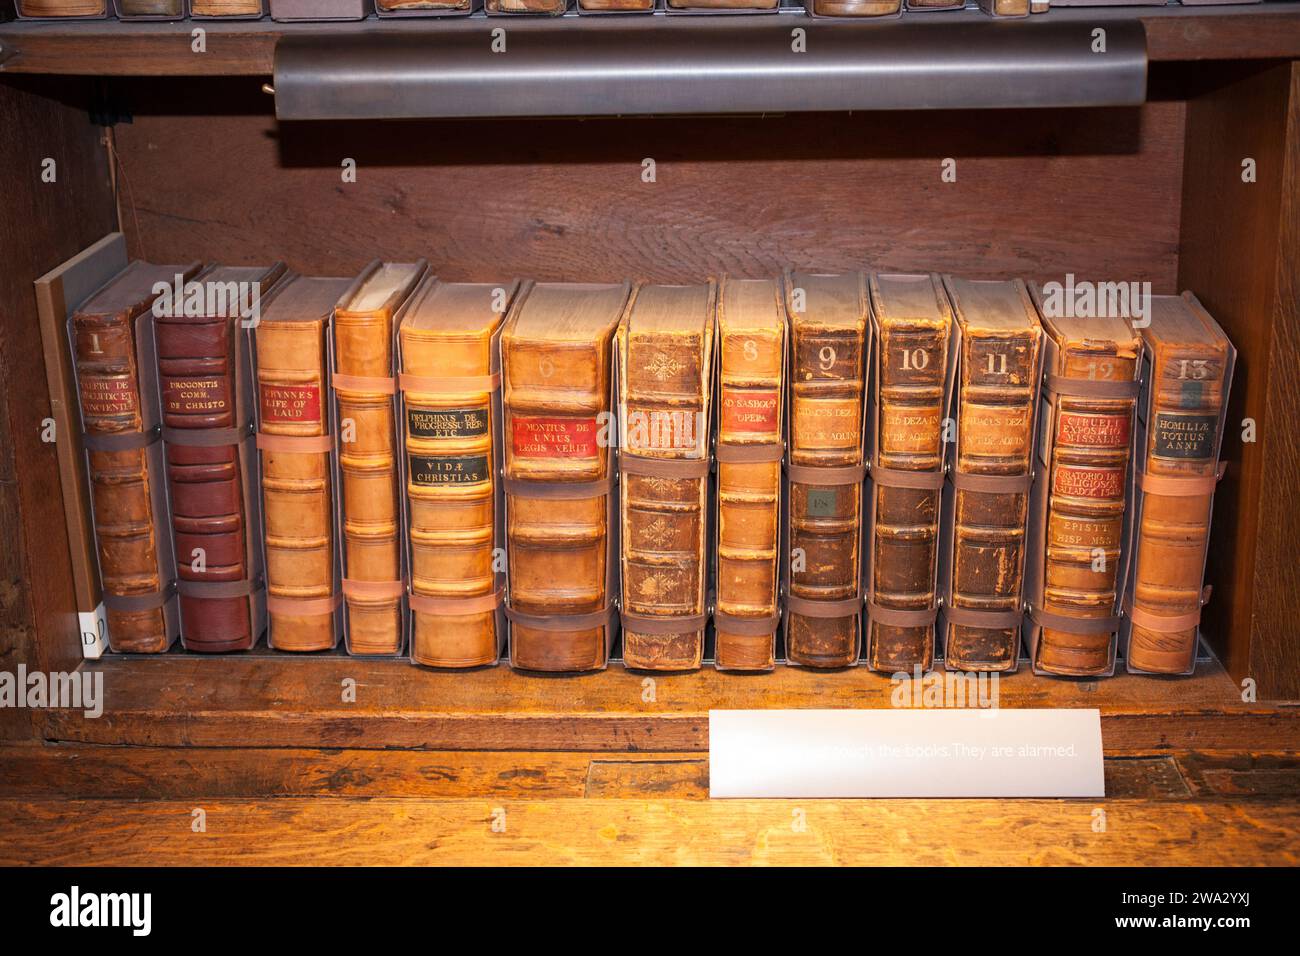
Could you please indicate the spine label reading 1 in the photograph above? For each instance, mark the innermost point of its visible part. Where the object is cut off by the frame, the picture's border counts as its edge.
(447, 422)
(287, 404)
(1093, 431)
(554, 437)
(749, 410)
(1075, 481)
(1176, 435)
(429, 470)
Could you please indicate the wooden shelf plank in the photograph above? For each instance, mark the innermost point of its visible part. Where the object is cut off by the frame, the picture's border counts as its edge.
(270, 700)
(351, 831)
(112, 48)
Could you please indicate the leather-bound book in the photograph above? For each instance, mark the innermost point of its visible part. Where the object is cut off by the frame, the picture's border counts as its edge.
(857, 8)
(556, 362)
(205, 426)
(552, 8)
(63, 8)
(996, 408)
(751, 415)
(620, 6)
(1188, 383)
(1091, 375)
(665, 362)
(447, 338)
(1006, 8)
(393, 6)
(226, 8)
(150, 9)
(295, 444)
(723, 4)
(913, 322)
(364, 383)
(113, 417)
(828, 336)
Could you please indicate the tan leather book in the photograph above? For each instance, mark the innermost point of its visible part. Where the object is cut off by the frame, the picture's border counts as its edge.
(1092, 374)
(1188, 383)
(1007, 8)
(447, 337)
(857, 8)
(550, 7)
(63, 8)
(113, 416)
(913, 322)
(723, 4)
(397, 5)
(560, 505)
(751, 418)
(295, 443)
(996, 409)
(172, 9)
(665, 362)
(225, 8)
(828, 342)
(364, 382)
(623, 6)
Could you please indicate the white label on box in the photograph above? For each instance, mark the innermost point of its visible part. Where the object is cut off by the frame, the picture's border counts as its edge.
(94, 633)
(905, 753)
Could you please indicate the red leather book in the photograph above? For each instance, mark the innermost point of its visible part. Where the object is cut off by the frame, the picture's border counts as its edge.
(205, 425)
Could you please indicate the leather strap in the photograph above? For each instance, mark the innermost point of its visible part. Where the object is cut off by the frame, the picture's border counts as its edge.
(664, 467)
(816, 475)
(1181, 486)
(303, 607)
(980, 617)
(1087, 388)
(991, 484)
(901, 617)
(219, 589)
(743, 454)
(140, 602)
(450, 607)
(747, 626)
(1166, 623)
(809, 608)
(364, 383)
(898, 478)
(452, 385)
(1074, 625)
(302, 444)
(562, 622)
(120, 441)
(372, 589)
(207, 437)
(653, 624)
(558, 490)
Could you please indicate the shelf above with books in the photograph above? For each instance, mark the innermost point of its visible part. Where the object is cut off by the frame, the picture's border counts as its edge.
(112, 48)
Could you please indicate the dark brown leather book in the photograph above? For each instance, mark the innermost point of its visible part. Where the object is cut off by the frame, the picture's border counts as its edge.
(723, 4)
(751, 418)
(913, 322)
(1091, 375)
(1001, 348)
(560, 496)
(113, 416)
(294, 439)
(170, 9)
(364, 382)
(828, 339)
(1188, 383)
(665, 360)
(448, 336)
(205, 430)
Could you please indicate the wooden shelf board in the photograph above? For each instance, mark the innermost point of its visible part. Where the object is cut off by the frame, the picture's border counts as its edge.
(266, 700)
(112, 48)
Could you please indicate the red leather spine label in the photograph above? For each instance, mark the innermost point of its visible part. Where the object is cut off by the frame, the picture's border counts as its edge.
(554, 437)
(748, 410)
(286, 404)
(195, 395)
(1094, 431)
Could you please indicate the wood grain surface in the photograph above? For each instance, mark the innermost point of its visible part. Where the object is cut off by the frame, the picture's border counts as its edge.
(349, 831)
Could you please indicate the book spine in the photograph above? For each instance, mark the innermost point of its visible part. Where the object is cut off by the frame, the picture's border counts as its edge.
(368, 465)
(1188, 384)
(825, 519)
(296, 484)
(995, 435)
(664, 517)
(450, 487)
(749, 493)
(911, 364)
(196, 374)
(556, 408)
(1085, 519)
(109, 392)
